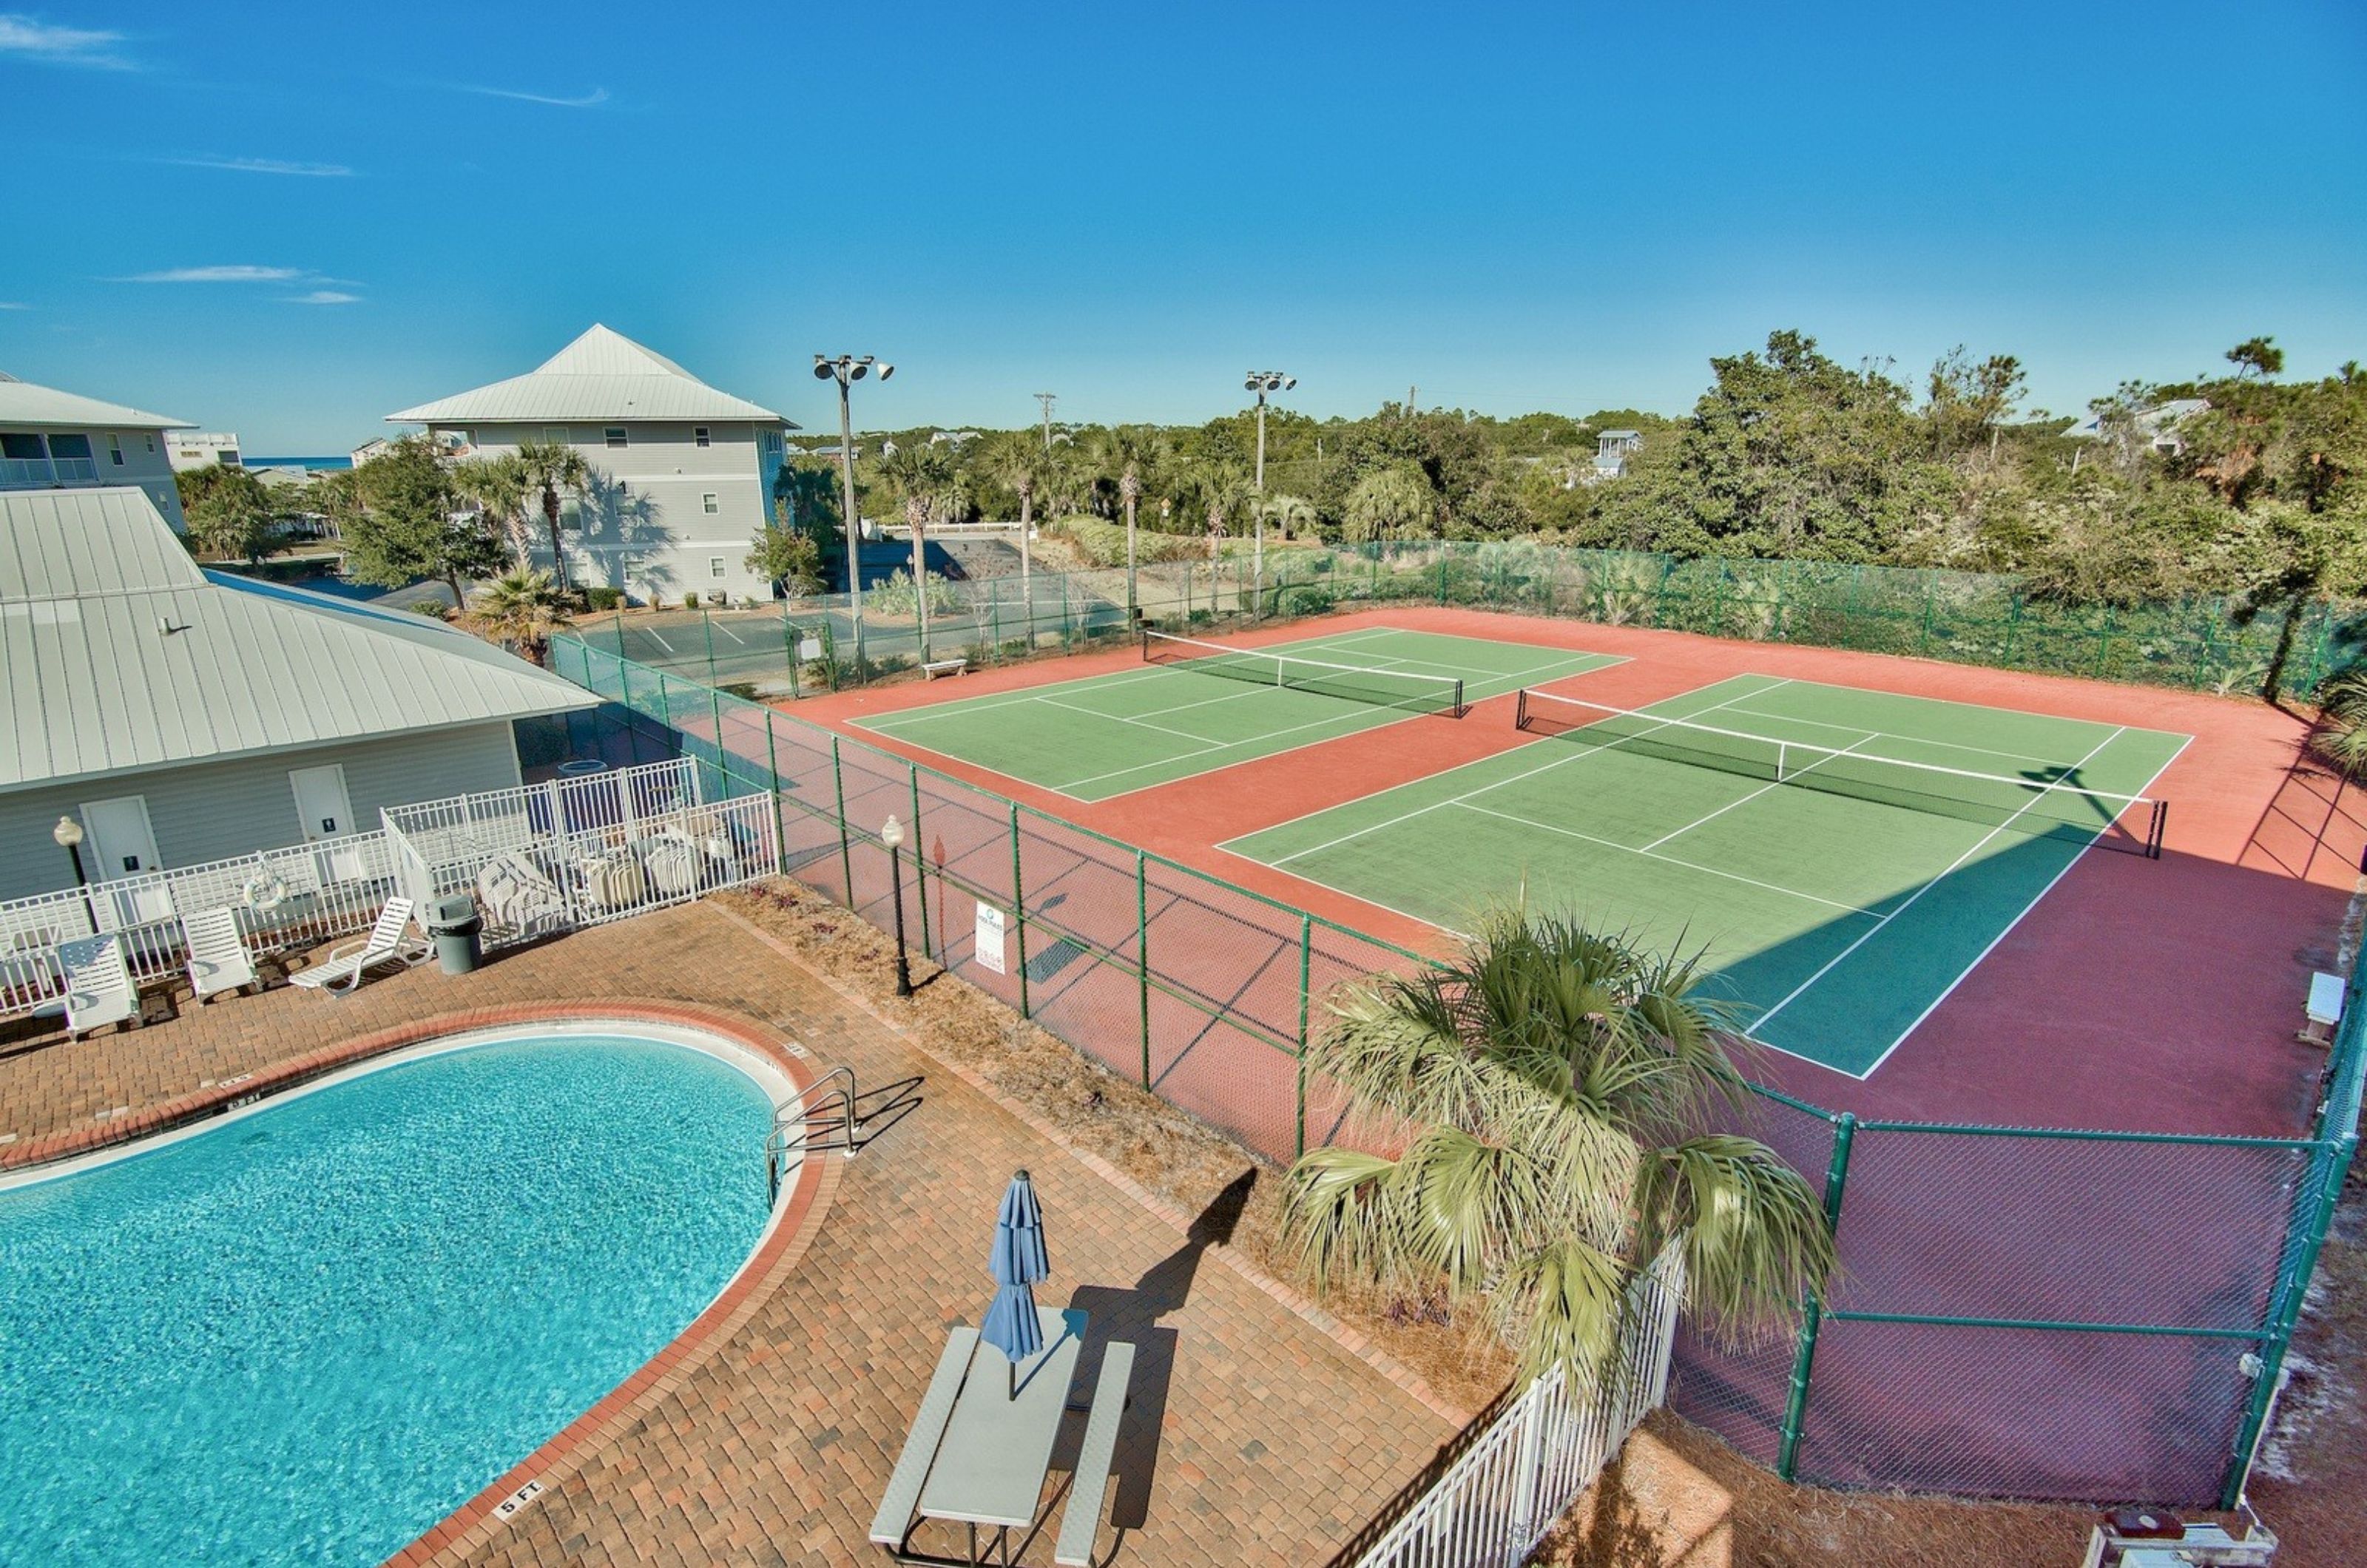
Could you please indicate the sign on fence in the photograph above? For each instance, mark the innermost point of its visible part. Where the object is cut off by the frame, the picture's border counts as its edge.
(988, 938)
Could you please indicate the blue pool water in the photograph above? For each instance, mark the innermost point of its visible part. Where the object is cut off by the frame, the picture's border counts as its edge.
(308, 1335)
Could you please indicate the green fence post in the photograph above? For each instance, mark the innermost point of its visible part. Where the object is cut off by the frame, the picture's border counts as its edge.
(707, 624)
(994, 616)
(1019, 912)
(2328, 1165)
(789, 648)
(773, 766)
(1306, 968)
(1142, 956)
(1795, 1407)
(722, 757)
(845, 851)
(1923, 648)
(620, 629)
(1442, 577)
(919, 862)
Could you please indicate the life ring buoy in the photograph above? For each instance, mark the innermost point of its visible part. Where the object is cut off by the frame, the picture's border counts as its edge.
(264, 892)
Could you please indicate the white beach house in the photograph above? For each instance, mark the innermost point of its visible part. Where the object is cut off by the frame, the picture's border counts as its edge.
(183, 716)
(682, 473)
(54, 440)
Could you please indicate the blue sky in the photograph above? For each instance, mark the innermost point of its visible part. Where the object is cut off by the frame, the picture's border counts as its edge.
(288, 220)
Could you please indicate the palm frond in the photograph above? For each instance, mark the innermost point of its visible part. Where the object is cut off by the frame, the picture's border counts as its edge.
(1754, 1231)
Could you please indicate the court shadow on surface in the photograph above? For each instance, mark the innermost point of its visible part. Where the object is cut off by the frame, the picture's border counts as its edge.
(1132, 1316)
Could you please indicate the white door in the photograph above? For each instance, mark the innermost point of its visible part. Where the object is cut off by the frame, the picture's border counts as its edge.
(123, 844)
(327, 811)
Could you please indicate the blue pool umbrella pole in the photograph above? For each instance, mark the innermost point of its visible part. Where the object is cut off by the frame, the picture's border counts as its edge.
(1017, 1261)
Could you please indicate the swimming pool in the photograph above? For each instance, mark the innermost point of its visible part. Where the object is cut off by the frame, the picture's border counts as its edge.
(309, 1331)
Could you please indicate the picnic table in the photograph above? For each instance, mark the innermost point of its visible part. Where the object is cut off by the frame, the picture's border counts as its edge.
(978, 1452)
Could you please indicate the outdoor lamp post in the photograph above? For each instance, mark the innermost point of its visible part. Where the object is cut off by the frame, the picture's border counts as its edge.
(891, 833)
(67, 835)
(847, 370)
(1262, 382)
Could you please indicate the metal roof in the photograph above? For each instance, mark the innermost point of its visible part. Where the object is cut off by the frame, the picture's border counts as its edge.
(23, 404)
(603, 375)
(118, 653)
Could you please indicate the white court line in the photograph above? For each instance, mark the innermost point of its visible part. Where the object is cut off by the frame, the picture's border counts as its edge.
(651, 633)
(727, 631)
(2035, 900)
(1671, 860)
(1908, 902)
(1361, 711)
(1571, 756)
(1755, 793)
(1007, 699)
(1125, 718)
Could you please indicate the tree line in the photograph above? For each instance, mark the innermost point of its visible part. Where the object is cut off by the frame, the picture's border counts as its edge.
(2249, 485)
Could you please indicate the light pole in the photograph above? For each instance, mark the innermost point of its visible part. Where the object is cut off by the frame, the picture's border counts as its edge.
(891, 833)
(67, 835)
(1048, 399)
(1262, 382)
(847, 370)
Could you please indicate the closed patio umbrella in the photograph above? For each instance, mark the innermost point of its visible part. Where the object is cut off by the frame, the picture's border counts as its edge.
(1017, 1261)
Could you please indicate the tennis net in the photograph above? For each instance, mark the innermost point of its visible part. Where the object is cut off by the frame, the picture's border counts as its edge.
(2045, 803)
(1413, 692)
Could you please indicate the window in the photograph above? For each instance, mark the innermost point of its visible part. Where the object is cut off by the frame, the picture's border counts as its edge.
(115, 449)
(615, 436)
(708, 504)
(715, 566)
(699, 433)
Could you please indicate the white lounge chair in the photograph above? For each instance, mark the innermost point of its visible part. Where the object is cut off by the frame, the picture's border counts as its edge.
(341, 969)
(218, 957)
(99, 985)
(517, 898)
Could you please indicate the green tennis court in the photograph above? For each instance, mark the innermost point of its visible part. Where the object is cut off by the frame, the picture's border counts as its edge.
(1207, 706)
(1843, 856)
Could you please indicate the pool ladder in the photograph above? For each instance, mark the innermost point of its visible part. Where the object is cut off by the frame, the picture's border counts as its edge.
(817, 1119)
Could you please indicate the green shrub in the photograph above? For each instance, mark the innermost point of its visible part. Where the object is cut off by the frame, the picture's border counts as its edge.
(690, 601)
(1306, 599)
(604, 598)
(895, 596)
(1103, 544)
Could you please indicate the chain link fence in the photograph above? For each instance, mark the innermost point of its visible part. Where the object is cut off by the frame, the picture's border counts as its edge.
(2019, 1312)
(800, 647)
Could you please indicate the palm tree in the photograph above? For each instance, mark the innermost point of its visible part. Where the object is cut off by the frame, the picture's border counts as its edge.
(552, 467)
(916, 516)
(1132, 451)
(1551, 1087)
(499, 486)
(1021, 466)
(520, 610)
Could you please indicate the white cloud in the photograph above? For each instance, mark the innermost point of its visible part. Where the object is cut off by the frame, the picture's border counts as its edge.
(263, 166)
(30, 38)
(220, 275)
(325, 297)
(14, 305)
(592, 99)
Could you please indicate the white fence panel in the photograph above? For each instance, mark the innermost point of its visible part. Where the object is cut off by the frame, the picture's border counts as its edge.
(1503, 1493)
(297, 897)
(601, 847)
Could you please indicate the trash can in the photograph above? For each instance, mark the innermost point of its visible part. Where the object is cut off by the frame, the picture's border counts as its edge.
(457, 928)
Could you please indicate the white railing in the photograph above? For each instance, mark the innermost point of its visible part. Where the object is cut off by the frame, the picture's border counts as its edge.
(295, 897)
(605, 846)
(583, 852)
(1503, 1493)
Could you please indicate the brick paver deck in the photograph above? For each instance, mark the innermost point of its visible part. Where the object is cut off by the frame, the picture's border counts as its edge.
(1254, 1437)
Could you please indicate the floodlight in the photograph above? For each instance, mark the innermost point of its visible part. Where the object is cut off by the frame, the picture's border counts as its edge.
(885, 371)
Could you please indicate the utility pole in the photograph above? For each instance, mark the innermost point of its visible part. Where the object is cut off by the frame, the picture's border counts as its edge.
(848, 369)
(1412, 393)
(1048, 399)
